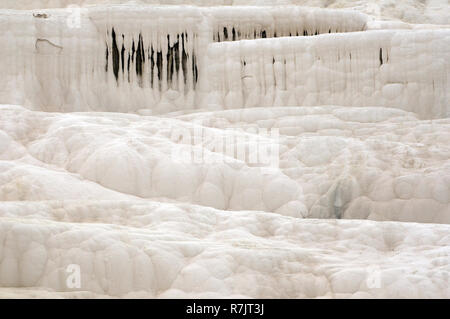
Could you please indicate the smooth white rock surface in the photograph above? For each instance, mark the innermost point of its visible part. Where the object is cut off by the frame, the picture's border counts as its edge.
(357, 204)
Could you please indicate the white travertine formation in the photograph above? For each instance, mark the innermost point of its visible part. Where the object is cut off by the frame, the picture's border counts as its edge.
(147, 249)
(154, 56)
(371, 68)
(217, 151)
(334, 162)
(413, 11)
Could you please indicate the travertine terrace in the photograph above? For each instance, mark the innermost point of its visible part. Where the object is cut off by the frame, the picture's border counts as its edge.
(210, 149)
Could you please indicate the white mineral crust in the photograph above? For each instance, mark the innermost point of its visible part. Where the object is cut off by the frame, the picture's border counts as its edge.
(116, 124)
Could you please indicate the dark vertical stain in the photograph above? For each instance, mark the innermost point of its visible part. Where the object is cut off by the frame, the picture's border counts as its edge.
(139, 57)
(184, 59)
(152, 64)
(122, 57)
(194, 69)
(381, 56)
(115, 55)
(107, 57)
(233, 32)
(128, 66)
(169, 58)
(159, 65)
(176, 53)
(263, 34)
(225, 33)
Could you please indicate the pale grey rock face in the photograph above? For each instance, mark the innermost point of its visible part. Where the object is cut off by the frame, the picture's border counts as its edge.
(224, 151)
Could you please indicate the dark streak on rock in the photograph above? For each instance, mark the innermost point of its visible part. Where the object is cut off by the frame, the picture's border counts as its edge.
(128, 66)
(176, 53)
(140, 57)
(107, 57)
(170, 65)
(177, 59)
(152, 64)
(122, 58)
(159, 65)
(133, 51)
(184, 59)
(115, 55)
(381, 56)
(194, 69)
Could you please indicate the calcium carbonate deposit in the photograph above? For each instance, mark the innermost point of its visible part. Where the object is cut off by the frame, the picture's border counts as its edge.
(224, 148)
